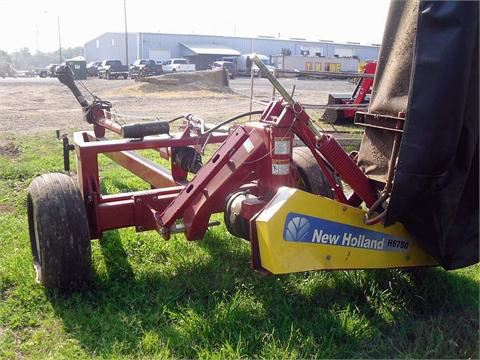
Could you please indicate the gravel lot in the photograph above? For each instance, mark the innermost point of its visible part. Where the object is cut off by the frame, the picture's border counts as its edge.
(37, 105)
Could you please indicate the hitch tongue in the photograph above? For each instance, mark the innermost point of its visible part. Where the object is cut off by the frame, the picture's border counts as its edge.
(177, 227)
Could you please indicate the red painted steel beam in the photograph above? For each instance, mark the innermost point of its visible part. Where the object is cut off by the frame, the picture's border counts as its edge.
(119, 210)
(127, 196)
(109, 124)
(115, 215)
(164, 141)
(125, 210)
(147, 170)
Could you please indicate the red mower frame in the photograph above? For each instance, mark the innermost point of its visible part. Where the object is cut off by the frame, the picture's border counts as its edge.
(253, 161)
(255, 156)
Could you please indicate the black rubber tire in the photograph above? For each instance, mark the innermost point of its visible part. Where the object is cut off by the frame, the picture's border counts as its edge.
(59, 234)
(311, 179)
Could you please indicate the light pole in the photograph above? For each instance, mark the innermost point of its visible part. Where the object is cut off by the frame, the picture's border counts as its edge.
(59, 40)
(126, 33)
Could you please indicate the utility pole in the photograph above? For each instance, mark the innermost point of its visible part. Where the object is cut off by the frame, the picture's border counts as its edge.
(36, 37)
(59, 40)
(126, 33)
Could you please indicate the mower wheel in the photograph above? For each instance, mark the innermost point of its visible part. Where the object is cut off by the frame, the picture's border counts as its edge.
(59, 234)
(310, 178)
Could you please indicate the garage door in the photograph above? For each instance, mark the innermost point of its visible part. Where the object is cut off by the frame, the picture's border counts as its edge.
(159, 54)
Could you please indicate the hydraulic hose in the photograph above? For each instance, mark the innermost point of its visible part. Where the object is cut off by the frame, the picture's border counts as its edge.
(236, 117)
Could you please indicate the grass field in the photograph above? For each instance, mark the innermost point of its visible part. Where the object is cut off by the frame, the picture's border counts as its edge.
(152, 298)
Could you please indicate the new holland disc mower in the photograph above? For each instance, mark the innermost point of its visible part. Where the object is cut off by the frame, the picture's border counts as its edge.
(412, 197)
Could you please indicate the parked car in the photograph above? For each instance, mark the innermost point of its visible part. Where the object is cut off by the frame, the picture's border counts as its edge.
(51, 69)
(43, 73)
(177, 65)
(7, 70)
(232, 71)
(257, 72)
(245, 65)
(112, 69)
(92, 68)
(144, 68)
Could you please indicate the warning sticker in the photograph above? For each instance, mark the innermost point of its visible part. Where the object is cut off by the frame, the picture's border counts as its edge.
(248, 145)
(282, 146)
(280, 167)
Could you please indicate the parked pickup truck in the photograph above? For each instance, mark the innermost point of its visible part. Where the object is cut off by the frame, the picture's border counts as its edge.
(177, 65)
(144, 68)
(92, 68)
(112, 69)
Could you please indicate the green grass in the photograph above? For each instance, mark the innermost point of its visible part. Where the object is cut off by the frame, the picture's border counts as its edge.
(152, 298)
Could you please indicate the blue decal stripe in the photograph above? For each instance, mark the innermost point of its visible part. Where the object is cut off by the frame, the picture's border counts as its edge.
(309, 229)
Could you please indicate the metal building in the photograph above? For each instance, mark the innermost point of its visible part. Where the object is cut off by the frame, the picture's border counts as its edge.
(202, 49)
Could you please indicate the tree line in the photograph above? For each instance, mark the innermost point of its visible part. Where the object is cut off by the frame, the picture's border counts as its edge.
(23, 59)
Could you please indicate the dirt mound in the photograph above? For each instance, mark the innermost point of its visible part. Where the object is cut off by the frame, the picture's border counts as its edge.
(216, 80)
(178, 85)
(9, 149)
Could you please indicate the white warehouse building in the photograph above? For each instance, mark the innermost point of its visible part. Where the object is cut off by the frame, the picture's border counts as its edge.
(201, 50)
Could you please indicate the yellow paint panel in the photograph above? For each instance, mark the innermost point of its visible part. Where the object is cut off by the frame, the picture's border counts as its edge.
(326, 218)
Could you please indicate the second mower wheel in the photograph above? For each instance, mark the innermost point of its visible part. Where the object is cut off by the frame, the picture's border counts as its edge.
(310, 178)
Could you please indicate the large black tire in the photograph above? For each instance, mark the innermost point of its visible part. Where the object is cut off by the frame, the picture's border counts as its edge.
(59, 234)
(310, 178)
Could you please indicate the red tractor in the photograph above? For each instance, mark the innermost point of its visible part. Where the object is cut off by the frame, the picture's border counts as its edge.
(361, 96)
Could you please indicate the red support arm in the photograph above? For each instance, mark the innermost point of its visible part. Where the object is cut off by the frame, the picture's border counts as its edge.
(234, 164)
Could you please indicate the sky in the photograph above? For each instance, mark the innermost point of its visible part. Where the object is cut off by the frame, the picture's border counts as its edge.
(34, 24)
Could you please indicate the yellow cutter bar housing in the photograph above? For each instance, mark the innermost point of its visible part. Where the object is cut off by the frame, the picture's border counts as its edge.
(298, 231)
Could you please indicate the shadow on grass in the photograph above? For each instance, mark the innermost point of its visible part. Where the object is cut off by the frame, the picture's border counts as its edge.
(199, 306)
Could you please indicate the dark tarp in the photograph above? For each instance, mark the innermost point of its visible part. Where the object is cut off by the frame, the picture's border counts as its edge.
(436, 185)
(390, 89)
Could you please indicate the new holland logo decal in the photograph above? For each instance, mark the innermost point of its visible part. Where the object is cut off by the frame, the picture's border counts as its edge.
(309, 229)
